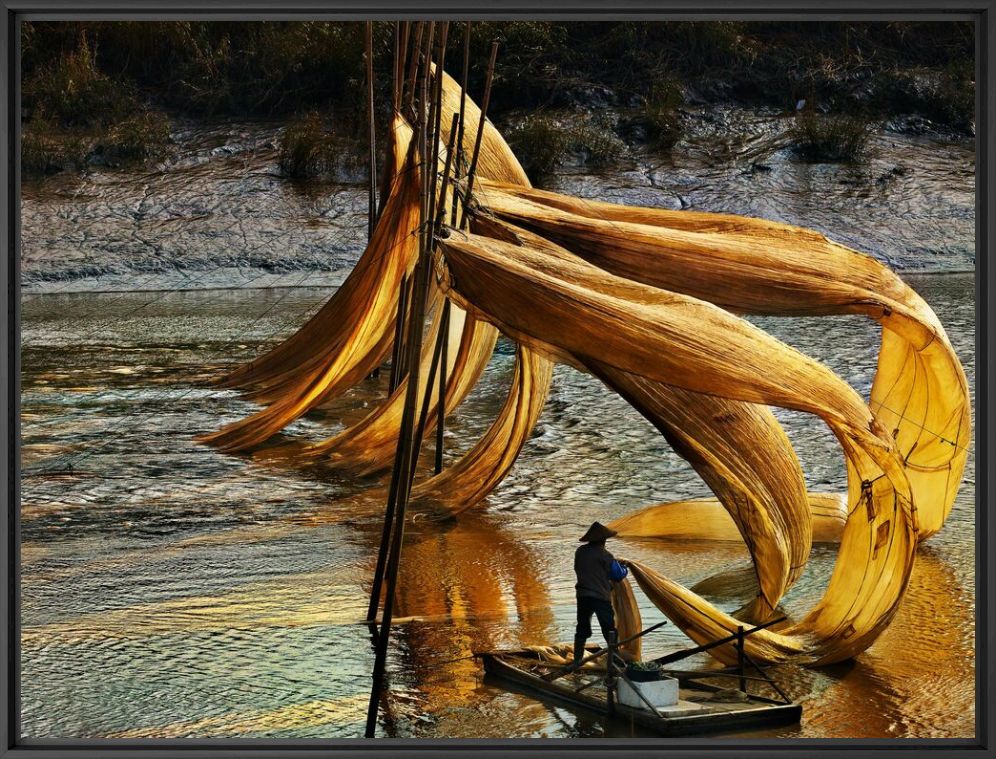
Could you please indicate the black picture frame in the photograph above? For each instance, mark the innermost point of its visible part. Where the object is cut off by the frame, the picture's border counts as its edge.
(983, 15)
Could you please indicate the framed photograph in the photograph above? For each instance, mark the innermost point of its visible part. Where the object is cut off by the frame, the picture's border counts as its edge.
(466, 378)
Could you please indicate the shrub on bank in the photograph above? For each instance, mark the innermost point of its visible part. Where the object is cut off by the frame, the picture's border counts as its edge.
(540, 143)
(76, 112)
(657, 123)
(946, 96)
(73, 92)
(142, 136)
(308, 149)
(543, 142)
(46, 150)
(828, 138)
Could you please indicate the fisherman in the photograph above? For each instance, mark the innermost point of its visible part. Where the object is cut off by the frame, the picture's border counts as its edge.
(596, 570)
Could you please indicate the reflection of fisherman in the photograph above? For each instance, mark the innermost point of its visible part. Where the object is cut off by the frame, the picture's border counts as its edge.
(596, 570)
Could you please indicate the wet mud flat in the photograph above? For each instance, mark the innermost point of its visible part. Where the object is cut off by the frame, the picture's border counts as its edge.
(219, 214)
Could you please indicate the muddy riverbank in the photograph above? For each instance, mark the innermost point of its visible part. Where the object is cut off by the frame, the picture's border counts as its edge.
(219, 214)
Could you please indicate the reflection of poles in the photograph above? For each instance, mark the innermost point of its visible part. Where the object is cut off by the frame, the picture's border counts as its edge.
(401, 474)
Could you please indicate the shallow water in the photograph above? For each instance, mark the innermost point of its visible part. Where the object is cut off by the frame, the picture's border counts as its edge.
(171, 591)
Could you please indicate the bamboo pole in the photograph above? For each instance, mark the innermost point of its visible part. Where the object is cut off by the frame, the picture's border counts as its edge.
(463, 100)
(678, 655)
(480, 133)
(441, 398)
(463, 93)
(397, 357)
(435, 115)
(437, 352)
(372, 210)
(395, 70)
(610, 677)
(450, 159)
(413, 65)
(399, 327)
(568, 668)
(401, 473)
(441, 401)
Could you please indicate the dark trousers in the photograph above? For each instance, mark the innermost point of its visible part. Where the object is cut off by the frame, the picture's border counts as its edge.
(602, 609)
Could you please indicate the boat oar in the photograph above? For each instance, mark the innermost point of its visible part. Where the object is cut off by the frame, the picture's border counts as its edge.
(550, 676)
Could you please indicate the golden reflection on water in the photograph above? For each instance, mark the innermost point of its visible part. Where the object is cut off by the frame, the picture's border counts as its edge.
(338, 711)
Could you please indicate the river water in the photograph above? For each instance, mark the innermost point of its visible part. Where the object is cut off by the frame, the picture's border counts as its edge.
(171, 591)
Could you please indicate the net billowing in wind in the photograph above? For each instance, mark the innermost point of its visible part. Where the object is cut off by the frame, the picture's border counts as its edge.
(649, 301)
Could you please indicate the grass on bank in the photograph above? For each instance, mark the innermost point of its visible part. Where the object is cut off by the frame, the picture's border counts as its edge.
(83, 79)
(76, 114)
(543, 142)
(307, 148)
(829, 138)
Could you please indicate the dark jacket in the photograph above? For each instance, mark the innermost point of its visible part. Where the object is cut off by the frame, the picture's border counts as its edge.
(592, 565)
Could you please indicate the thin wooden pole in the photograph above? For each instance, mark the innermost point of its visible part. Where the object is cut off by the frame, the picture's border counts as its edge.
(463, 96)
(435, 113)
(409, 100)
(568, 668)
(437, 352)
(401, 473)
(372, 211)
(480, 132)
(385, 541)
(395, 70)
(610, 678)
(442, 340)
(444, 361)
(463, 101)
(450, 159)
(678, 655)
(441, 398)
(765, 677)
(399, 332)
(740, 657)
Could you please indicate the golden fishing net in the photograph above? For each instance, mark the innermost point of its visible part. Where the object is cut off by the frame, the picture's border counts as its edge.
(650, 302)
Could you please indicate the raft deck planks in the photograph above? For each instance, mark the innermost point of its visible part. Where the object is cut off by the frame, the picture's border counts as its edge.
(716, 717)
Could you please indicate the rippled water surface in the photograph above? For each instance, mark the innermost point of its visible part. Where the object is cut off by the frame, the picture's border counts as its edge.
(171, 591)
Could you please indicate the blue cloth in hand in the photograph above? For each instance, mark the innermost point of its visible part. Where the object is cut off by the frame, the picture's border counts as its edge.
(617, 571)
